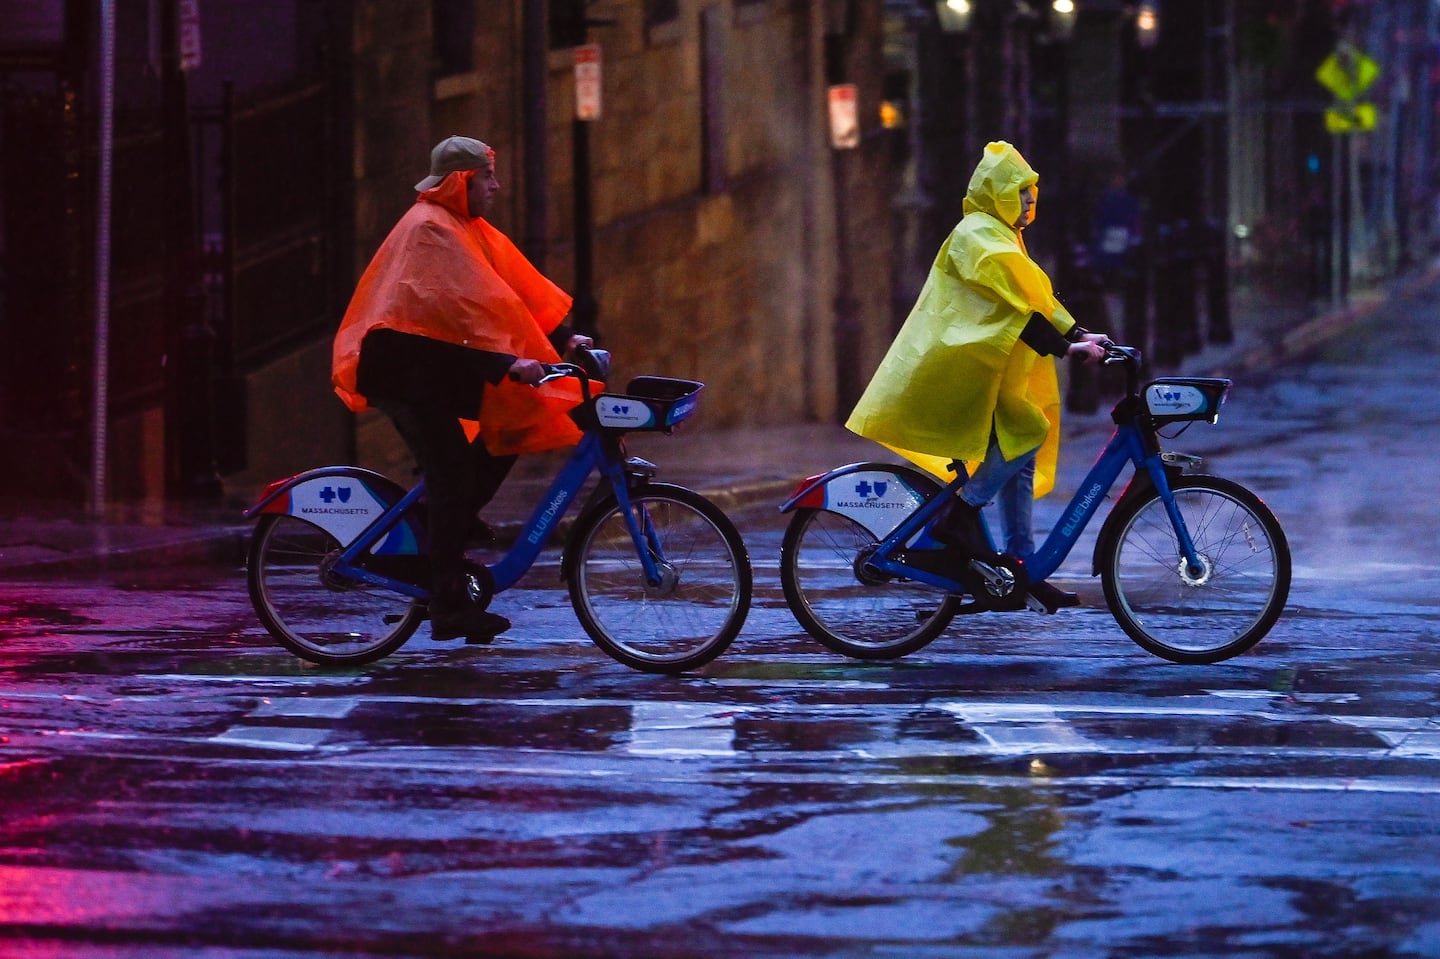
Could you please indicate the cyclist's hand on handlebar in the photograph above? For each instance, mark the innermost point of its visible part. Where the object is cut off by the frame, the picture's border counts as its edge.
(579, 341)
(527, 371)
(1090, 349)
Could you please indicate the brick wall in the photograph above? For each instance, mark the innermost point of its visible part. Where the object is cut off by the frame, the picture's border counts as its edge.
(733, 284)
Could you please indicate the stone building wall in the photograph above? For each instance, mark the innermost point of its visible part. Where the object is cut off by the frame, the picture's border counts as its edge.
(734, 283)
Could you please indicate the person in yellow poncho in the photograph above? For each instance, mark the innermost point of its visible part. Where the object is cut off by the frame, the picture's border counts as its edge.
(970, 375)
(446, 334)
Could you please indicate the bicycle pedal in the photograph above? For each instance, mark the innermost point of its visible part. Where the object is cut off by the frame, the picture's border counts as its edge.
(479, 640)
(1035, 606)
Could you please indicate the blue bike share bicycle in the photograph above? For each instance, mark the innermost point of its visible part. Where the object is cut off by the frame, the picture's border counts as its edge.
(1195, 568)
(658, 576)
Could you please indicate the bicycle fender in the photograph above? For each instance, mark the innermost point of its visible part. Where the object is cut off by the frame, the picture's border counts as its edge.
(878, 496)
(343, 500)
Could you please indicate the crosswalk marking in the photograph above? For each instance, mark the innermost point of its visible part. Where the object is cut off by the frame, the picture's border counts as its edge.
(681, 729)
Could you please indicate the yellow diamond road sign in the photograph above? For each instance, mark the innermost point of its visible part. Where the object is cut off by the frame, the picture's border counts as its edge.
(1350, 118)
(1347, 74)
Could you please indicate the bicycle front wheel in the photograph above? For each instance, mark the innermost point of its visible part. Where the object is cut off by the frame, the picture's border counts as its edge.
(317, 615)
(847, 607)
(695, 610)
(1215, 610)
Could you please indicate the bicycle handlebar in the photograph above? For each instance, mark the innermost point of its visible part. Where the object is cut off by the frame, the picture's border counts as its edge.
(1115, 353)
(1128, 356)
(558, 371)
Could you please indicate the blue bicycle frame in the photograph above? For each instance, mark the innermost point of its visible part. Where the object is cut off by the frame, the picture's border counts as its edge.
(1126, 446)
(590, 454)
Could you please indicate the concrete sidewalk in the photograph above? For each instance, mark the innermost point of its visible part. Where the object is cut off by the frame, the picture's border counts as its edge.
(735, 467)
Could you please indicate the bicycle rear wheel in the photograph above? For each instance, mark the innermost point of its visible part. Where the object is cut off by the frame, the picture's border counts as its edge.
(316, 614)
(848, 608)
(1215, 611)
(694, 612)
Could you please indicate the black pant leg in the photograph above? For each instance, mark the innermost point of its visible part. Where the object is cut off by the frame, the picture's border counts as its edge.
(446, 458)
(489, 472)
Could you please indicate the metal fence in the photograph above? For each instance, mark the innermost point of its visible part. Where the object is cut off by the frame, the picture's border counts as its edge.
(263, 271)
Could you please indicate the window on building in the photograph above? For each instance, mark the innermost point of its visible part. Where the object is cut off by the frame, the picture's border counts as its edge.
(567, 24)
(659, 13)
(452, 23)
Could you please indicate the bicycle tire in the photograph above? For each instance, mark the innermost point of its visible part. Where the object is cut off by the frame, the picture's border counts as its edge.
(694, 614)
(314, 614)
(860, 617)
(1206, 616)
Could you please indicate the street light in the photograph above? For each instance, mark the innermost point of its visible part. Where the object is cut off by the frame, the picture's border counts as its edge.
(1062, 19)
(1147, 24)
(954, 15)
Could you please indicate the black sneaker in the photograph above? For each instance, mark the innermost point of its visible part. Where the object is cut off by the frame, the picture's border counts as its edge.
(476, 625)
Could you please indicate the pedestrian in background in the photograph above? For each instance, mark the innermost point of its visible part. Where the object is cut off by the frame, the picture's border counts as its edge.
(446, 334)
(970, 375)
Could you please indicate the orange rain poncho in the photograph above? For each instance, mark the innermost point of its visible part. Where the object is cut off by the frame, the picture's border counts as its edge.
(956, 367)
(445, 275)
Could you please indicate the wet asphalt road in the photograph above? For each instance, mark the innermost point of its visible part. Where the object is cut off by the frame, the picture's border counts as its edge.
(173, 785)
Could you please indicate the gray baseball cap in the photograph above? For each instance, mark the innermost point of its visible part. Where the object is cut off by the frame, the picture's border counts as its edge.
(452, 155)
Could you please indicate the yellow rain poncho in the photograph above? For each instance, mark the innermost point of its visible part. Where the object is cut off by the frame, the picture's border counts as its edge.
(957, 367)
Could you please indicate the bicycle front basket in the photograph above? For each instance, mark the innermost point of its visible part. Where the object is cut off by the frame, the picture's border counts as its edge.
(1177, 399)
(648, 403)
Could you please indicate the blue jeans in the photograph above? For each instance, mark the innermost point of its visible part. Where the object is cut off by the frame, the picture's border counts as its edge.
(1012, 482)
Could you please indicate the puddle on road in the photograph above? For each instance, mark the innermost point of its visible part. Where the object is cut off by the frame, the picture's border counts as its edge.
(21, 618)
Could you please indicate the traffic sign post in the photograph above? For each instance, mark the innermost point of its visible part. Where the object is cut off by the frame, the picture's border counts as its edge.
(1348, 74)
(586, 310)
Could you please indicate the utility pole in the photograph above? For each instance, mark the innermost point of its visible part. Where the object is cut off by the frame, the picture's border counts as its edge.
(536, 40)
(571, 27)
(100, 400)
(190, 341)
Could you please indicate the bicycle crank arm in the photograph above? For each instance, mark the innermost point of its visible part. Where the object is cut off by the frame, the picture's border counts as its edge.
(1003, 583)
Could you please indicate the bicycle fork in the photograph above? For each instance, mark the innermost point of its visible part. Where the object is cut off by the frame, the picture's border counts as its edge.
(634, 474)
(1196, 568)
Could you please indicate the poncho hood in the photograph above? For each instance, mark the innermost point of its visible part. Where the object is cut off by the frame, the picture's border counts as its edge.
(997, 181)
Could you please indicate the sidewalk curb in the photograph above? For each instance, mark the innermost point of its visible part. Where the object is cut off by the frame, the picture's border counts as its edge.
(1306, 337)
(215, 547)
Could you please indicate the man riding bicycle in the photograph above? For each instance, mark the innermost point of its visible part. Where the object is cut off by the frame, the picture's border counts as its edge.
(446, 334)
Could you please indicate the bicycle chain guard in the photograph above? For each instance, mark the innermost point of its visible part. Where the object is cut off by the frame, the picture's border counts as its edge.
(998, 585)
